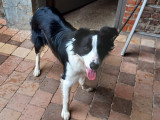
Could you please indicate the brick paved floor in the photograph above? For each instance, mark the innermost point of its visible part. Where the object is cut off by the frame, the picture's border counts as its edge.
(127, 88)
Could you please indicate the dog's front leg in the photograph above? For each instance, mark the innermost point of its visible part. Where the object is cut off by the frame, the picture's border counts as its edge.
(66, 86)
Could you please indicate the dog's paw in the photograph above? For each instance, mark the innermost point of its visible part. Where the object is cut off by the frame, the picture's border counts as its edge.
(36, 72)
(87, 88)
(65, 115)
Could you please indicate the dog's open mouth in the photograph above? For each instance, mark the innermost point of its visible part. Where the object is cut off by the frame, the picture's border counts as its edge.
(91, 74)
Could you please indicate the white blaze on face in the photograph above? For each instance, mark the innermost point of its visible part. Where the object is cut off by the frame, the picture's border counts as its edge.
(92, 56)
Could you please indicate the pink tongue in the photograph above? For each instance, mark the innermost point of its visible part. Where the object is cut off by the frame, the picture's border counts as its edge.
(91, 74)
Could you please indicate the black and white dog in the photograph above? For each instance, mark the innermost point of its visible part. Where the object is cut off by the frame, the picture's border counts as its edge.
(80, 51)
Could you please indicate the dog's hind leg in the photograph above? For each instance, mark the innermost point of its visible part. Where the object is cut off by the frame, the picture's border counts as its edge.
(39, 41)
(85, 87)
(38, 44)
(37, 66)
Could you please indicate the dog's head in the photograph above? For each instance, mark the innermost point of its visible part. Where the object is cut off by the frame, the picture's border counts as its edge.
(93, 46)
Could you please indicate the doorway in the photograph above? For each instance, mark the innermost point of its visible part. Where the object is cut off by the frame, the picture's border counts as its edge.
(94, 15)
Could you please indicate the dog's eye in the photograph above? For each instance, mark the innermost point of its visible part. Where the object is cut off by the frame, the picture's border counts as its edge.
(86, 48)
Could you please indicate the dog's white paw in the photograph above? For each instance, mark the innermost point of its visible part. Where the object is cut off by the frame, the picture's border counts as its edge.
(90, 89)
(86, 88)
(65, 115)
(36, 72)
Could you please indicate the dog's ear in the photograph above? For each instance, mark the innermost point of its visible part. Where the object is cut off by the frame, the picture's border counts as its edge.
(108, 32)
(82, 32)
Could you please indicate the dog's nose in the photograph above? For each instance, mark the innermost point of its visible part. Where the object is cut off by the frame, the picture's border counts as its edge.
(94, 66)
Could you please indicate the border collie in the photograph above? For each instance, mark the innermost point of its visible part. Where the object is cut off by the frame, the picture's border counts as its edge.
(80, 51)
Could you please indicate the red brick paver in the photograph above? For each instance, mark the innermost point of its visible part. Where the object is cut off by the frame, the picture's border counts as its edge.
(80, 112)
(7, 90)
(156, 114)
(138, 115)
(3, 29)
(3, 103)
(118, 116)
(18, 102)
(25, 66)
(89, 117)
(9, 65)
(21, 36)
(32, 113)
(147, 57)
(156, 87)
(28, 88)
(8, 114)
(124, 91)
(41, 99)
(10, 31)
(128, 68)
(16, 78)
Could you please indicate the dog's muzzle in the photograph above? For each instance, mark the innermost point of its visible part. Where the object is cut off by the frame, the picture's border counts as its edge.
(94, 66)
(91, 72)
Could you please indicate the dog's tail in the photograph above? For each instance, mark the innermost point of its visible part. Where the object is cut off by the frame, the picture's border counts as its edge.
(37, 38)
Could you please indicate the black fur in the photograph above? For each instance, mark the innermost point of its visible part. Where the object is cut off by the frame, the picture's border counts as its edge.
(83, 43)
(106, 41)
(49, 21)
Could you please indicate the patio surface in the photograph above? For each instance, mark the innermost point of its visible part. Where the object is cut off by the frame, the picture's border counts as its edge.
(127, 88)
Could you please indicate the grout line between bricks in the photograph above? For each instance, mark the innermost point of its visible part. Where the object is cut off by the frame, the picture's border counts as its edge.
(154, 73)
(115, 86)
